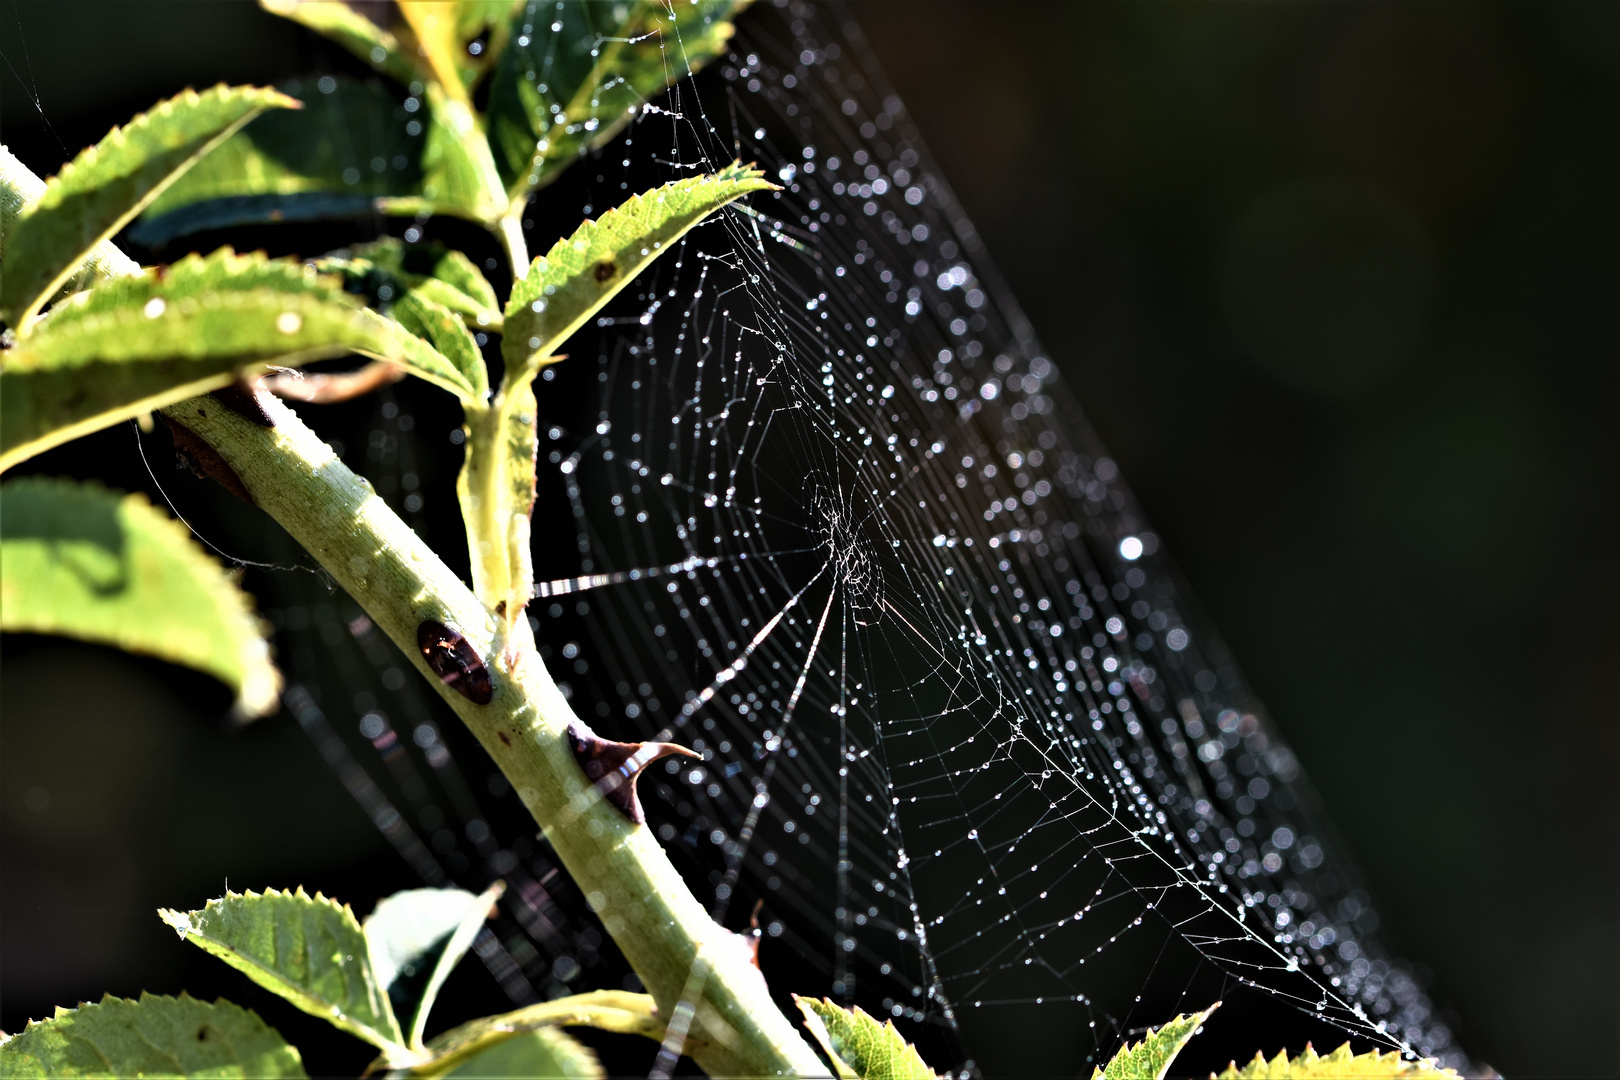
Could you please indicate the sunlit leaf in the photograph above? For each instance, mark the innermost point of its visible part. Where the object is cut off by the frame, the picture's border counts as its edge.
(308, 949)
(154, 1036)
(352, 143)
(416, 938)
(1150, 1059)
(574, 82)
(542, 1054)
(456, 40)
(606, 1010)
(137, 344)
(82, 561)
(458, 175)
(374, 44)
(441, 32)
(99, 191)
(448, 335)
(570, 283)
(860, 1047)
(443, 275)
(1339, 1065)
(20, 188)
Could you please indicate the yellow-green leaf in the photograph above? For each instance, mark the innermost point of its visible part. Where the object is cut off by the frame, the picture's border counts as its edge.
(443, 275)
(154, 1036)
(542, 1054)
(458, 174)
(606, 1010)
(98, 192)
(429, 39)
(1339, 1065)
(374, 44)
(81, 561)
(571, 282)
(308, 949)
(860, 1047)
(1150, 1059)
(441, 32)
(137, 344)
(448, 335)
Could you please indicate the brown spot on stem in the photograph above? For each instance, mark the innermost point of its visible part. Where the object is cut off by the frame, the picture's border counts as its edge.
(203, 460)
(615, 766)
(605, 270)
(505, 739)
(243, 399)
(455, 661)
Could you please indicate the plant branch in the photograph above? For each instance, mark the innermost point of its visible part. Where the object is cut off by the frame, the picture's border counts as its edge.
(626, 877)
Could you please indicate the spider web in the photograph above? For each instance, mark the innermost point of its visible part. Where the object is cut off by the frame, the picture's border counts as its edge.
(814, 502)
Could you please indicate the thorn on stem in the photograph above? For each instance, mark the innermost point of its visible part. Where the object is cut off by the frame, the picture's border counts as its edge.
(615, 766)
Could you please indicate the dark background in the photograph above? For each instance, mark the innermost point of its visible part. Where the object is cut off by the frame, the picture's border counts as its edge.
(1337, 285)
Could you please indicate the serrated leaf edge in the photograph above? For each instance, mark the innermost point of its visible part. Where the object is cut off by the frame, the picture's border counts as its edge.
(61, 185)
(181, 922)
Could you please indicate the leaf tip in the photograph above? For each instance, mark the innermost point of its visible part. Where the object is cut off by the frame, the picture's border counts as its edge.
(180, 921)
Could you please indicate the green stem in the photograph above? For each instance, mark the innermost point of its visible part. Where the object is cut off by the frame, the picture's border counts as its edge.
(626, 877)
(510, 230)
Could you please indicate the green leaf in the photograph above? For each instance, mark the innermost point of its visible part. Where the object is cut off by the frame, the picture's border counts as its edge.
(542, 1054)
(99, 191)
(441, 33)
(82, 561)
(309, 950)
(860, 1047)
(393, 49)
(606, 1010)
(571, 282)
(20, 188)
(153, 1037)
(1339, 1065)
(138, 344)
(448, 335)
(343, 24)
(351, 144)
(600, 64)
(458, 175)
(1150, 1059)
(416, 937)
(443, 275)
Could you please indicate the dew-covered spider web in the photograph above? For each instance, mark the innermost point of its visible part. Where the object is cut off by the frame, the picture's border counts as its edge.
(814, 502)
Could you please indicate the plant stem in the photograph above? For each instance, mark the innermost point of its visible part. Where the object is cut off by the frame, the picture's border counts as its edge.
(510, 228)
(626, 877)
